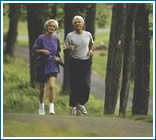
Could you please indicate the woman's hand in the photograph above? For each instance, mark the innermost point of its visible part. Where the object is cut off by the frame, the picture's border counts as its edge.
(91, 53)
(60, 59)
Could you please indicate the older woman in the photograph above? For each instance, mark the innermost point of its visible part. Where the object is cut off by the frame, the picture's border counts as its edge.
(47, 46)
(80, 44)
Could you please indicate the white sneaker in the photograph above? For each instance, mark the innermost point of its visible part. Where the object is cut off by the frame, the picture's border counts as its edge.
(41, 109)
(82, 109)
(51, 109)
(73, 111)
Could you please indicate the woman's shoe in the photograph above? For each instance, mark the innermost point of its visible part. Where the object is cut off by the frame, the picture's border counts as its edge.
(51, 109)
(41, 109)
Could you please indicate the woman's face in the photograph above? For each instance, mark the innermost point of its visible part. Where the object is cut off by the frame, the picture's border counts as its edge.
(51, 27)
(78, 24)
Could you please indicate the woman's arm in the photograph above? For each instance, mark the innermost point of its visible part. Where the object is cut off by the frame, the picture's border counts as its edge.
(60, 58)
(46, 52)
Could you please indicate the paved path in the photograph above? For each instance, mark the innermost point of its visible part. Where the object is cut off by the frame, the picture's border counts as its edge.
(97, 83)
(103, 126)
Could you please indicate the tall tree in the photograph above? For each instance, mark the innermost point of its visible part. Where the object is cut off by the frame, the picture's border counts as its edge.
(54, 11)
(70, 10)
(142, 61)
(130, 16)
(114, 58)
(14, 12)
(37, 14)
(90, 19)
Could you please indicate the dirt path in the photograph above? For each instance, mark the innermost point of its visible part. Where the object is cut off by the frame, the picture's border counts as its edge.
(97, 83)
(104, 126)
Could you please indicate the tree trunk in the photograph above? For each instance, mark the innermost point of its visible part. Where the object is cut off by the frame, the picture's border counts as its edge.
(14, 11)
(90, 22)
(90, 19)
(36, 15)
(114, 58)
(54, 9)
(130, 15)
(142, 61)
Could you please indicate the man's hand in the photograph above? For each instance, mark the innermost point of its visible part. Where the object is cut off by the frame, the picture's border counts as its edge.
(91, 53)
(72, 47)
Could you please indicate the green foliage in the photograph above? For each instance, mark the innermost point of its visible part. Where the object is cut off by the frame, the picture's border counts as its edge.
(103, 15)
(5, 9)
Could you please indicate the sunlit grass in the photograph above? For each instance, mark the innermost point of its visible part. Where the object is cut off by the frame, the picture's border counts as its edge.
(100, 62)
(102, 38)
(143, 118)
(14, 128)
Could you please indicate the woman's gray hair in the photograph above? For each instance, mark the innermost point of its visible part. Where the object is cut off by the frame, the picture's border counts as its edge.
(78, 17)
(48, 21)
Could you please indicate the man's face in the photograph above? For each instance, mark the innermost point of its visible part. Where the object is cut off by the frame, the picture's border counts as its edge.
(78, 24)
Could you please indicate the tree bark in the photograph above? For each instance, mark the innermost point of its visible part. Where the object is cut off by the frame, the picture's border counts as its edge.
(114, 58)
(14, 11)
(142, 61)
(90, 22)
(54, 10)
(130, 16)
(90, 19)
(36, 16)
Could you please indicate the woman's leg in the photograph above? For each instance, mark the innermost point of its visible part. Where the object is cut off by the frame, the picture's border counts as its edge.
(42, 92)
(51, 94)
(52, 89)
(41, 98)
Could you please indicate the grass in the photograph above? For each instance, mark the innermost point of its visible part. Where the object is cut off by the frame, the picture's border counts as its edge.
(100, 62)
(143, 118)
(19, 96)
(102, 38)
(14, 128)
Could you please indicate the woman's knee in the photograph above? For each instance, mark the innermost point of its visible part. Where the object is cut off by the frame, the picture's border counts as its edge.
(51, 86)
(42, 86)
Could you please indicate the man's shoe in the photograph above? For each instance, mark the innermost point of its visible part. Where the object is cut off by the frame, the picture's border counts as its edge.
(82, 109)
(73, 111)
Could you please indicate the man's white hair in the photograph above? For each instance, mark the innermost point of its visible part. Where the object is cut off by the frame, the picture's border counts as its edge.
(48, 21)
(78, 17)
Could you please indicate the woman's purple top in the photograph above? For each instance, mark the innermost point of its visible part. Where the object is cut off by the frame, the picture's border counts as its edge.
(46, 64)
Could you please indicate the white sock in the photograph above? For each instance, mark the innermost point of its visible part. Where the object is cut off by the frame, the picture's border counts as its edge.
(51, 105)
(51, 108)
(42, 105)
